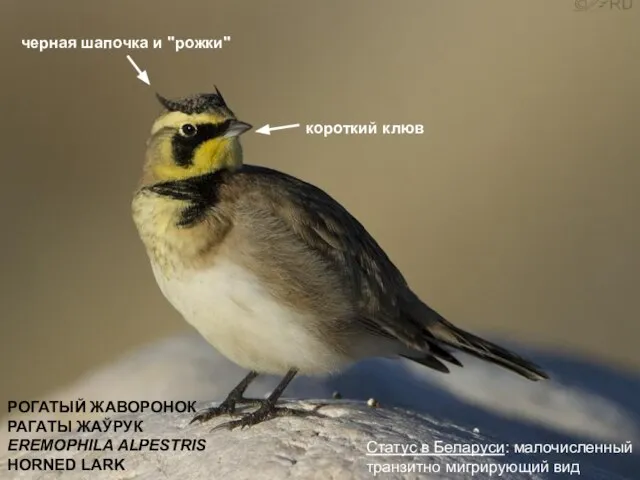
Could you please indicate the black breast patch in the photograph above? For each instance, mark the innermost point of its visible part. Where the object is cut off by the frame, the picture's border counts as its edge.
(200, 192)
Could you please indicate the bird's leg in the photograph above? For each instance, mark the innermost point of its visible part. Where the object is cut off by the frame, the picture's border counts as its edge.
(268, 409)
(228, 406)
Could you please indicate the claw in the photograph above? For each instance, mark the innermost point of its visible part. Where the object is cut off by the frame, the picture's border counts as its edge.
(264, 413)
(225, 408)
(213, 412)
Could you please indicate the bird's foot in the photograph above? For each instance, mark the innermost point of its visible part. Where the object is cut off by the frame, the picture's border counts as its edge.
(267, 411)
(227, 407)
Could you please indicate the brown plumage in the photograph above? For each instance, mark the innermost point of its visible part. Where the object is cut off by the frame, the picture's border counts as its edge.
(312, 254)
(271, 270)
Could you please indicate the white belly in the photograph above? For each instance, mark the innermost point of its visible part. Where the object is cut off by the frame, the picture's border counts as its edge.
(244, 322)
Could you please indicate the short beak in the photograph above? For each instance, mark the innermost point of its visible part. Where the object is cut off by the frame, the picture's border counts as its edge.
(236, 127)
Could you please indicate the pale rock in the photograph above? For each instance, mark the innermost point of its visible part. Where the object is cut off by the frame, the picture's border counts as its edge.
(308, 448)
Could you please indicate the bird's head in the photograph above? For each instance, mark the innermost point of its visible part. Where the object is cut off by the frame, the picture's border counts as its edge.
(193, 136)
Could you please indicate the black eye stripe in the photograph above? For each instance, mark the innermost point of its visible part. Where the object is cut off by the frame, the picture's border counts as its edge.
(188, 130)
(183, 147)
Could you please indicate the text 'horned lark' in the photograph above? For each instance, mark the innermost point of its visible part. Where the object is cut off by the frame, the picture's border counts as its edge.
(272, 271)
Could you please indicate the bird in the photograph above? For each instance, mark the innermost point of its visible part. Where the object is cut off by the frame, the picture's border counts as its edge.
(271, 270)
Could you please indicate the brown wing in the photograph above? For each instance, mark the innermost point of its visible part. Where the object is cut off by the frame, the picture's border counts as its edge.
(385, 303)
(349, 250)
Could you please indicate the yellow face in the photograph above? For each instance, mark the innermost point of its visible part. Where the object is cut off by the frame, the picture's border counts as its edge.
(184, 145)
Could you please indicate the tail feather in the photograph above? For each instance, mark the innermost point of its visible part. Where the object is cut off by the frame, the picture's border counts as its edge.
(428, 361)
(440, 352)
(443, 336)
(457, 338)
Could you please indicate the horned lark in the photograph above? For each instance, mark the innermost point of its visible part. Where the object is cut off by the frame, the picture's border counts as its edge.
(272, 271)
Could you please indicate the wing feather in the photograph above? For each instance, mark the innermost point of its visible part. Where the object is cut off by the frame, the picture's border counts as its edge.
(350, 251)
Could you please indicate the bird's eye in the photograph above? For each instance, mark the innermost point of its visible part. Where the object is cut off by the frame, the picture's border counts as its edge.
(188, 130)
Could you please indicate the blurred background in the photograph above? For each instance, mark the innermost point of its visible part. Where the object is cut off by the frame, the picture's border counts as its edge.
(516, 214)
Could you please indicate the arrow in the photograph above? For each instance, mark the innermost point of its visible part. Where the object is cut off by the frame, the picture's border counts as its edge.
(142, 74)
(266, 130)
